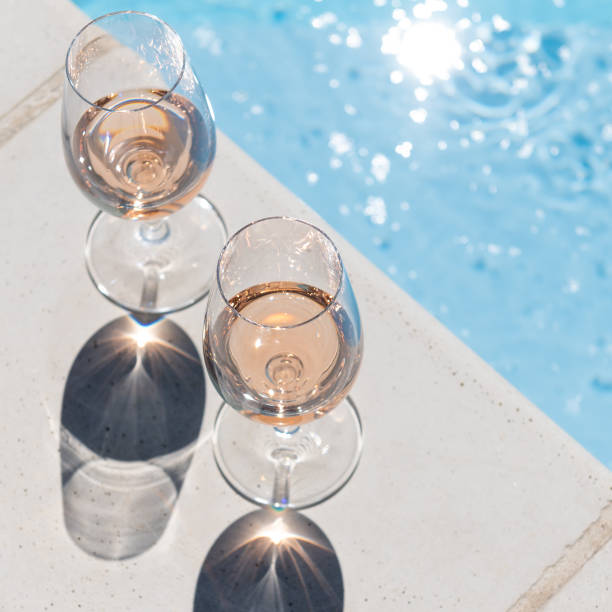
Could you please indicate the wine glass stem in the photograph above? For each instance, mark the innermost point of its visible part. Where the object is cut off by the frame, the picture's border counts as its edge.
(153, 232)
(148, 297)
(284, 462)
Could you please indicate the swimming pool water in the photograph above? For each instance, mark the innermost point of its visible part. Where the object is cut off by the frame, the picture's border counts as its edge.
(464, 147)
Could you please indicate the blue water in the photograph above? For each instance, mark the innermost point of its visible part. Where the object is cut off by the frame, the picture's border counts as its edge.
(465, 148)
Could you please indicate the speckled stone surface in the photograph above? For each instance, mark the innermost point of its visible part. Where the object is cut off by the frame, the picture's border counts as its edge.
(590, 589)
(35, 36)
(467, 497)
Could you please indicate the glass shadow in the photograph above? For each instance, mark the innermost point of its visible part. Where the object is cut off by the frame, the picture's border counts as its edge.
(131, 415)
(268, 561)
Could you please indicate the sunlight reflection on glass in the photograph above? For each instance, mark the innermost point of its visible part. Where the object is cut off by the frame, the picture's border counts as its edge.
(427, 49)
(141, 336)
(276, 532)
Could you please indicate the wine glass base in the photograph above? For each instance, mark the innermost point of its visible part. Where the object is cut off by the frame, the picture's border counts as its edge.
(159, 267)
(253, 457)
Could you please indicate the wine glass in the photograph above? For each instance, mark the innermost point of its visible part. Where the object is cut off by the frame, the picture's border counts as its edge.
(139, 140)
(282, 345)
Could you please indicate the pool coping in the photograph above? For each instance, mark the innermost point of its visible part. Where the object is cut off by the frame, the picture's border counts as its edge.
(581, 541)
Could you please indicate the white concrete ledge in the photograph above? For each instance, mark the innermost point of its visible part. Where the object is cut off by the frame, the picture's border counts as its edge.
(467, 496)
(35, 37)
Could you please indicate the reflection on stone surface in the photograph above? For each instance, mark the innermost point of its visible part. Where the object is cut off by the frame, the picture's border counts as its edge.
(131, 415)
(271, 562)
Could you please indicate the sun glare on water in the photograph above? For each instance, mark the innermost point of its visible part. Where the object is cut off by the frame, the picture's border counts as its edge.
(426, 49)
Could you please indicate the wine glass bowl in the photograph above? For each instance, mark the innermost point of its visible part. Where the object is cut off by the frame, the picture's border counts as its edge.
(139, 140)
(283, 345)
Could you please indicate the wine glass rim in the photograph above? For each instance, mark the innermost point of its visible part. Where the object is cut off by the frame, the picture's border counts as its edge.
(332, 302)
(144, 106)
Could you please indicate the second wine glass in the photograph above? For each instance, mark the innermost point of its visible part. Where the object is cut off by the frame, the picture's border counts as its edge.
(283, 344)
(139, 140)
